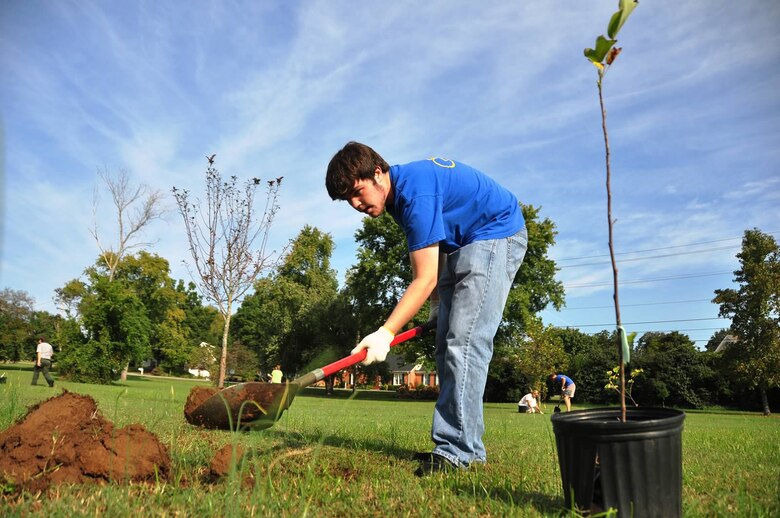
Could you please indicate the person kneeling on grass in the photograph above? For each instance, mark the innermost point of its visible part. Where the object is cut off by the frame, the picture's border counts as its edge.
(528, 403)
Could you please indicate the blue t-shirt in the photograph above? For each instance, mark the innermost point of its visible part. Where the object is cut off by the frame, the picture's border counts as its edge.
(447, 202)
(562, 377)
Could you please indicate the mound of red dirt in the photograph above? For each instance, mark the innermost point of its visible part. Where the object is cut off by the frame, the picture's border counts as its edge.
(223, 460)
(66, 440)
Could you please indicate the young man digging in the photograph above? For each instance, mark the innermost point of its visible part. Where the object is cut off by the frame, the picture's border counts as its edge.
(467, 238)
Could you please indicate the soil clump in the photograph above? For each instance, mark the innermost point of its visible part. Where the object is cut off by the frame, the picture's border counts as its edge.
(66, 440)
(224, 459)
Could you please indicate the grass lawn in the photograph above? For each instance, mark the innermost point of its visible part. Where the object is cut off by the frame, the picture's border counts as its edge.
(349, 455)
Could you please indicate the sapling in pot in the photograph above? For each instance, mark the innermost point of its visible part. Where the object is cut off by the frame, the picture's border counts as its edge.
(607, 461)
(602, 57)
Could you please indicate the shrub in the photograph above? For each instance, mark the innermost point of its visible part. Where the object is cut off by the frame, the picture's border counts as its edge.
(90, 362)
(421, 392)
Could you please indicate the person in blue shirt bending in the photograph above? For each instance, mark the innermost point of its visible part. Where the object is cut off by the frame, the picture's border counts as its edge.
(467, 238)
(567, 388)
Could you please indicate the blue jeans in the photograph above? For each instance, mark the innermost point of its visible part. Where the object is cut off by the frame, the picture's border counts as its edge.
(473, 290)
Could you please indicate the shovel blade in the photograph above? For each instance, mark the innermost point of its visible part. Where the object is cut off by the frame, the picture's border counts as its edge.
(246, 405)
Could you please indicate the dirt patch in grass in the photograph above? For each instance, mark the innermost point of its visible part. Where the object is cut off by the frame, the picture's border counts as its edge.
(223, 460)
(66, 440)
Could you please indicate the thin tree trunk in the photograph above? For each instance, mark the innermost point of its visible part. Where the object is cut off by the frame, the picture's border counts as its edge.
(223, 356)
(764, 400)
(612, 253)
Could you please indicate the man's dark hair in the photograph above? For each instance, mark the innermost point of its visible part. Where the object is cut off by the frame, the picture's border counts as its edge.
(353, 162)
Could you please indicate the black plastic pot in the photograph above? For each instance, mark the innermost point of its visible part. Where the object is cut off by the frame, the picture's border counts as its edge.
(634, 467)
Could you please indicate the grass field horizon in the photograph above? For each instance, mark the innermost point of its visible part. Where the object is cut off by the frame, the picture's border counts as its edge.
(351, 454)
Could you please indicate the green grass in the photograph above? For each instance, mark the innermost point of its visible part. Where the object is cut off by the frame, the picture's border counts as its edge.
(349, 456)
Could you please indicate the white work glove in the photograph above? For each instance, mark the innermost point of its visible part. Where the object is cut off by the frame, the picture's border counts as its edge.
(378, 345)
(433, 316)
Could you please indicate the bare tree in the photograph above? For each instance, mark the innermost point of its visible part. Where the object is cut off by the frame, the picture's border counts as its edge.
(136, 207)
(227, 239)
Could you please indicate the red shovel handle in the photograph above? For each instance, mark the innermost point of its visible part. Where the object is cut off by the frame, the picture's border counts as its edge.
(358, 357)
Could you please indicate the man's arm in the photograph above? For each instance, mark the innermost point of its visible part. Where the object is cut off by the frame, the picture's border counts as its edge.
(425, 267)
(38, 358)
(425, 273)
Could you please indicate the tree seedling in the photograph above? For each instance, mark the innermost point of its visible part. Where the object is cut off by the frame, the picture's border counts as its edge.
(602, 57)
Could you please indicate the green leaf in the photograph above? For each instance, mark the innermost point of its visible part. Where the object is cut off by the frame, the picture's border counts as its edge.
(598, 54)
(625, 8)
(624, 345)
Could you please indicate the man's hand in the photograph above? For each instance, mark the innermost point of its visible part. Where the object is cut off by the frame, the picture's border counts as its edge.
(377, 344)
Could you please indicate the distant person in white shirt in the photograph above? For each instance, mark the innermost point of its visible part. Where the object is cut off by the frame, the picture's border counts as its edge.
(528, 404)
(43, 361)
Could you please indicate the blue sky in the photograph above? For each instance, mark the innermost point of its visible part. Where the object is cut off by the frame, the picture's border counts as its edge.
(274, 88)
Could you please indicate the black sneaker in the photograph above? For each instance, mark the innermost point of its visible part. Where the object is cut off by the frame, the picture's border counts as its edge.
(422, 456)
(434, 464)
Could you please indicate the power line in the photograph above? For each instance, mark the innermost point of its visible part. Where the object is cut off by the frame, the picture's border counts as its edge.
(648, 322)
(638, 281)
(657, 249)
(642, 304)
(649, 257)
(643, 331)
(680, 330)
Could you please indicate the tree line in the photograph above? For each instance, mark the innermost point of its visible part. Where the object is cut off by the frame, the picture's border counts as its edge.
(127, 311)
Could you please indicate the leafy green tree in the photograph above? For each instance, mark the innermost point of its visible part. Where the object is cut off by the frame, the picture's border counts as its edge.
(289, 317)
(715, 340)
(517, 369)
(52, 327)
(16, 329)
(674, 371)
(129, 315)
(21, 325)
(202, 324)
(242, 362)
(535, 287)
(590, 358)
(149, 276)
(383, 271)
(117, 330)
(204, 357)
(754, 310)
(721, 386)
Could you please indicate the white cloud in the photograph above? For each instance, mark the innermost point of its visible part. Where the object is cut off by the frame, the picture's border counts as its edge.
(276, 88)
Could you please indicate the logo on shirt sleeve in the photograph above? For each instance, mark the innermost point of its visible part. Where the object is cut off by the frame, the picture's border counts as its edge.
(443, 162)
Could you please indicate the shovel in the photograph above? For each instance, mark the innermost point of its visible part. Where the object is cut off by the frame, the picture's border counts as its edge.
(257, 405)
